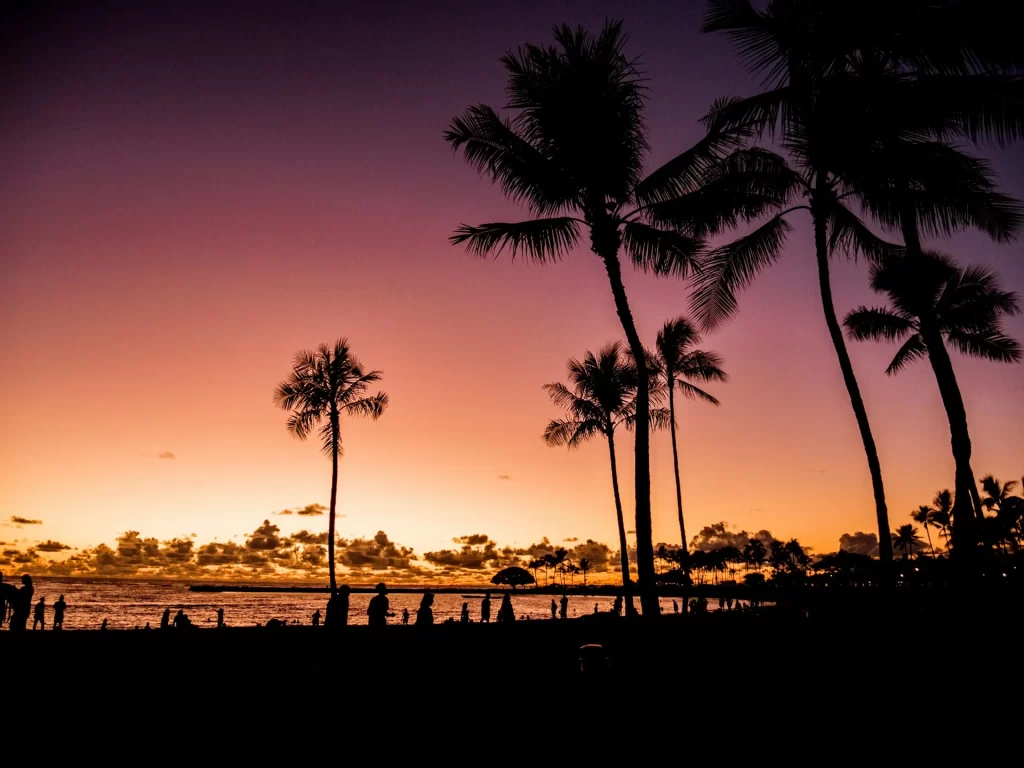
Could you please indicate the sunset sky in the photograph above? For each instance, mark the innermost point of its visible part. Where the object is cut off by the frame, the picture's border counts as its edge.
(189, 196)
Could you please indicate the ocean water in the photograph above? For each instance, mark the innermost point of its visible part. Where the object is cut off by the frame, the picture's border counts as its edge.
(127, 604)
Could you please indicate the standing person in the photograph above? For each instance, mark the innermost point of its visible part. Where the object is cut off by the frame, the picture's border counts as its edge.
(465, 613)
(425, 614)
(220, 618)
(505, 612)
(563, 611)
(58, 613)
(316, 618)
(39, 617)
(405, 617)
(337, 608)
(554, 609)
(165, 619)
(595, 607)
(675, 607)
(3, 599)
(103, 626)
(22, 605)
(617, 605)
(377, 610)
(485, 609)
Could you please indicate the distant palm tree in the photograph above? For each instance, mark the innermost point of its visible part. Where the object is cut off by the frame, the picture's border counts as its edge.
(942, 513)
(754, 553)
(679, 364)
(905, 539)
(603, 396)
(924, 515)
(536, 565)
(932, 301)
(574, 156)
(585, 567)
(323, 385)
(996, 493)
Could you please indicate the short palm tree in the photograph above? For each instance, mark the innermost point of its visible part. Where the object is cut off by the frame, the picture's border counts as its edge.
(754, 553)
(942, 513)
(933, 301)
(325, 384)
(584, 567)
(573, 155)
(679, 365)
(996, 493)
(924, 516)
(602, 396)
(905, 538)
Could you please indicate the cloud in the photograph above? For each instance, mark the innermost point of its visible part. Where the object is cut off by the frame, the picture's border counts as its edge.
(631, 533)
(376, 554)
(166, 455)
(283, 512)
(859, 543)
(597, 553)
(24, 521)
(265, 537)
(478, 552)
(718, 535)
(473, 539)
(312, 509)
(51, 546)
(571, 539)
(544, 547)
(504, 477)
(305, 537)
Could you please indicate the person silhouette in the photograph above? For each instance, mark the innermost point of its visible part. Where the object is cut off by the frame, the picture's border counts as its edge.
(181, 621)
(728, 603)
(425, 614)
(39, 616)
(377, 610)
(103, 626)
(405, 617)
(595, 608)
(465, 613)
(6, 590)
(485, 609)
(617, 605)
(316, 618)
(675, 607)
(337, 608)
(554, 609)
(22, 605)
(59, 609)
(147, 627)
(220, 618)
(721, 603)
(563, 610)
(505, 612)
(165, 619)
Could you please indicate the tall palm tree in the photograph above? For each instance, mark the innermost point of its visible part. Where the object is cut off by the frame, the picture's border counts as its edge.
(851, 107)
(585, 567)
(925, 516)
(905, 538)
(603, 396)
(996, 493)
(573, 155)
(931, 301)
(679, 364)
(324, 385)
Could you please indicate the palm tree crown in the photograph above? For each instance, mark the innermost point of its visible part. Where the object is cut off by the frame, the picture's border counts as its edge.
(906, 539)
(965, 305)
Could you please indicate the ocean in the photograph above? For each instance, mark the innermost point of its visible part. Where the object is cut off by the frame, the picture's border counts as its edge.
(130, 604)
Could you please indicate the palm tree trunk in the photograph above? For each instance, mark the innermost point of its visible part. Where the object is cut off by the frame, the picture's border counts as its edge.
(928, 533)
(964, 525)
(623, 546)
(818, 213)
(335, 429)
(642, 464)
(675, 466)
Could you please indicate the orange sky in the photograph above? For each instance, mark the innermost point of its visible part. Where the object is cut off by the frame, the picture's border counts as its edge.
(172, 232)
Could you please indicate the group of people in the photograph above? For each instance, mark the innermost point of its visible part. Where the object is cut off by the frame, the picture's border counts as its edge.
(379, 610)
(16, 607)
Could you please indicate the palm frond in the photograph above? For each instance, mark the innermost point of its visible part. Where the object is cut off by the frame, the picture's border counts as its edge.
(661, 251)
(702, 365)
(525, 175)
(688, 390)
(912, 349)
(847, 233)
(368, 407)
(759, 113)
(731, 267)
(755, 35)
(569, 433)
(542, 240)
(876, 324)
(658, 418)
(990, 345)
(301, 423)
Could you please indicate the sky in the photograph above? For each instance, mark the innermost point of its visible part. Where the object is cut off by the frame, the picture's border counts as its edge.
(192, 192)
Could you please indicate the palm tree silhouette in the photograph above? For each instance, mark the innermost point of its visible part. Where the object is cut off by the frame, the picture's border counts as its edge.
(942, 513)
(996, 493)
(584, 567)
(678, 365)
(925, 516)
(754, 553)
(933, 300)
(573, 155)
(905, 538)
(323, 385)
(603, 396)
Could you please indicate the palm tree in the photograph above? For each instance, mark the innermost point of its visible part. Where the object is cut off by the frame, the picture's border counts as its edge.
(602, 398)
(754, 553)
(905, 539)
(323, 385)
(925, 516)
(584, 567)
(536, 565)
(679, 364)
(933, 300)
(942, 513)
(574, 155)
(996, 493)
(856, 112)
